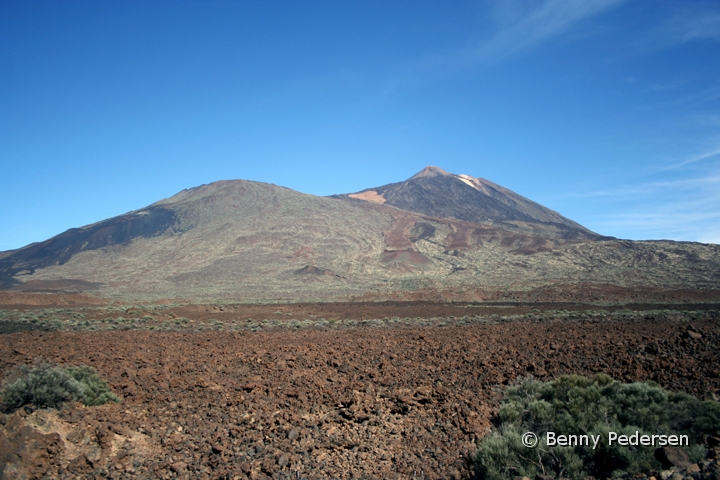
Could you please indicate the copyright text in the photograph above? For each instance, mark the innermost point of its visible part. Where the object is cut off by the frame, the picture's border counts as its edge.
(613, 438)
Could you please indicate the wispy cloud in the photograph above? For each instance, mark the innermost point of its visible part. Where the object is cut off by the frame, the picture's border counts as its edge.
(708, 182)
(675, 222)
(517, 26)
(691, 100)
(525, 25)
(673, 225)
(691, 21)
(683, 207)
(697, 158)
(695, 25)
(522, 25)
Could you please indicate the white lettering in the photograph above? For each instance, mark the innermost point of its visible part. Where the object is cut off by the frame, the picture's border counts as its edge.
(552, 439)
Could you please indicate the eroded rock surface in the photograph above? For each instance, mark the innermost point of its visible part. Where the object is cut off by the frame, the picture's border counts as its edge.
(391, 402)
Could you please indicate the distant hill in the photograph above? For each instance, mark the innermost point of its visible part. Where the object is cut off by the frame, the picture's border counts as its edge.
(435, 236)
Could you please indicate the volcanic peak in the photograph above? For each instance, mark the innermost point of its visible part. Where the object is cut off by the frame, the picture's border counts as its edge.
(479, 184)
(431, 171)
(438, 193)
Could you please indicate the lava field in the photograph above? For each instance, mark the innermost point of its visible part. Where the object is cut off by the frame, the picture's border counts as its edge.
(363, 402)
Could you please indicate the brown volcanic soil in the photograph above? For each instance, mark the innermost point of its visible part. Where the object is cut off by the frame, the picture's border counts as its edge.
(391, 402)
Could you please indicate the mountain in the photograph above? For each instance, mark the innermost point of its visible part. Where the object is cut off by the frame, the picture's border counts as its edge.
(437, 193)
(434, 236)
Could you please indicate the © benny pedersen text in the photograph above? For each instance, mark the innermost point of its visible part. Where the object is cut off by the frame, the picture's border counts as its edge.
(613, 438)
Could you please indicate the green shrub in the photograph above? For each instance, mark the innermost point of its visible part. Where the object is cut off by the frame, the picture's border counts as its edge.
(95, 390)
(48, 386)
(574, 405)
(43, 386)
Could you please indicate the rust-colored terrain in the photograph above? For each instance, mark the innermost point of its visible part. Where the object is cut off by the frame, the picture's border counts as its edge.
(366, 390)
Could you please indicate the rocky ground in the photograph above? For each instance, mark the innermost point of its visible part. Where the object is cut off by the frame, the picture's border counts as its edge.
(375, 400)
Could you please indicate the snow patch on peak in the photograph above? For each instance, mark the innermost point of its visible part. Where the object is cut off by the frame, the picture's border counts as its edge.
(473, 182)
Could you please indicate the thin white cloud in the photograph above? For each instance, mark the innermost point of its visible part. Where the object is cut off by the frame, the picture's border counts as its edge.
(690, 22)
(524, 24)
(673, 225)
(536, 22)
(653, 219)
(685, 209)
(695, 99)
(696, 26)
(711, 235)
(710, 120)
(703, 156)
(623, 192)
(685, 205)
(519, 25)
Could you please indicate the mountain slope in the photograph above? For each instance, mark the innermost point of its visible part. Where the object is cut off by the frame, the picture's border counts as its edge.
(437, 193)
(251, 241)
(148, 222)
(214, 236)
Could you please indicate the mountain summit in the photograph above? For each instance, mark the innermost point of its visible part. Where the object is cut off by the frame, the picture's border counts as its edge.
(431, 171)
(438, 193)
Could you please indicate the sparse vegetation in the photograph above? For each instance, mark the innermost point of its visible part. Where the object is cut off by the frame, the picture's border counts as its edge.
(574, 405)
(95, 391)
(400, 402)
(157, 317)
(48, 386)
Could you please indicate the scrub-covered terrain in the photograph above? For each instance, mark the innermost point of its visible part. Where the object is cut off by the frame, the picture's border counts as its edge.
(389, 397)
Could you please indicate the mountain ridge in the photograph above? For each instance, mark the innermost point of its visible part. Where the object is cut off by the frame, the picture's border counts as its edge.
(238, 239)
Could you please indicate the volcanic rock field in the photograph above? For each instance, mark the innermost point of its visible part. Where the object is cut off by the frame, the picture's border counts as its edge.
(379, 397)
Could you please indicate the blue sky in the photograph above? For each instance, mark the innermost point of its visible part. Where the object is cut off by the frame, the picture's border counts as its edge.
(607, 111)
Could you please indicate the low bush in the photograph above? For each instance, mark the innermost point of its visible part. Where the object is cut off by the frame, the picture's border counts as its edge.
(95, 391)
(48, 386)
(574, 405)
